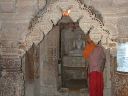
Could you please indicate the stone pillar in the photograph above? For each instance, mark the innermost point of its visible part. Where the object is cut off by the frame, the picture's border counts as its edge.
(107, 75)
(48, 63)
(11, 80)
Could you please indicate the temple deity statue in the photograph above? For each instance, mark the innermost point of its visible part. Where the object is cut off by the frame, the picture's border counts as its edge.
(78, 46)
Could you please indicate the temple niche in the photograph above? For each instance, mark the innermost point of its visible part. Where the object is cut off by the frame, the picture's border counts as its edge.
(72, 40)
(73, 64)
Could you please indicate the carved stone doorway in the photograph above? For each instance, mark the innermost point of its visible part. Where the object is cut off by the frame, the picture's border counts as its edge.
(52, 54)
(40, 65)
(72, 64)
(43, 23)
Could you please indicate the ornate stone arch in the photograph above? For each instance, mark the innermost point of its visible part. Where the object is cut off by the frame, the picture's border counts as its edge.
(43, 22)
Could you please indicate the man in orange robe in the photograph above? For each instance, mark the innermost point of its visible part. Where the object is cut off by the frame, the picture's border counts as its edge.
(95, 56)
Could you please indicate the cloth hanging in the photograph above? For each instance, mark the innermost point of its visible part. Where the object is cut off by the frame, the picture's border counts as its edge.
(88, 49)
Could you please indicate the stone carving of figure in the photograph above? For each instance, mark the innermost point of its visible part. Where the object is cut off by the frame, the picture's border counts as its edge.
(78, 45)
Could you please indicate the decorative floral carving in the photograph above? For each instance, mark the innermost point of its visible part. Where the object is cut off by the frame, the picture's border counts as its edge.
(120, 84)
(10, 63)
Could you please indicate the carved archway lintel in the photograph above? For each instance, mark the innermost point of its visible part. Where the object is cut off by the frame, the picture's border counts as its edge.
(42, 24)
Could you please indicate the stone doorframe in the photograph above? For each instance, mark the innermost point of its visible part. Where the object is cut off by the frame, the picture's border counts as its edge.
(44, 22)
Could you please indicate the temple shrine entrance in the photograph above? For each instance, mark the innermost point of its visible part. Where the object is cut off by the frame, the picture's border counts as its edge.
(61, 41)
(73, 65)
(56, 63)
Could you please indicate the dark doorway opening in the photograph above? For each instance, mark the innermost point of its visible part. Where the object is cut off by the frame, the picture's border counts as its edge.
(72, 64)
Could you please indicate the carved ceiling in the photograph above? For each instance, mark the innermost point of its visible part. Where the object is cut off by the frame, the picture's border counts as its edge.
(43, 23)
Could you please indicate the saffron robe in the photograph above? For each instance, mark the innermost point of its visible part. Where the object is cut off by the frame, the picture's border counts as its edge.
(88, 49)
(97, 61)
(96, 58)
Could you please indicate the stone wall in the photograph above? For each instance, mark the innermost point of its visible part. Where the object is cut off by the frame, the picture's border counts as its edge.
(114, 13)
(11, 82)
(49, 64)
(15, 16)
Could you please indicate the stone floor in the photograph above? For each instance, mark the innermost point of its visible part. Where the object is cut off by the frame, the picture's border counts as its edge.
(73, 92)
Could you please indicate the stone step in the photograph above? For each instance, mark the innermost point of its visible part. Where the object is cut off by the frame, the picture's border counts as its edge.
(74, 72)
(74, 61)
(74, 68)
(73, 92)
(75, 83)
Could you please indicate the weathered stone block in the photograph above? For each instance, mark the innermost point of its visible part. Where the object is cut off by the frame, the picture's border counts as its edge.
(64, 91)
(112, 29)
(10, 63)
(122, 26)
(12, 84)
(16, 16)
(41, 3)
(24, 9)
(120, 84)
(7, 0)
(101, 3)
(7, 7)
(14, 30)
(102, 6)
(71, 61)
(26, 6)
(4, 16)
(120, 3)
(74, 74)
(48, 90)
